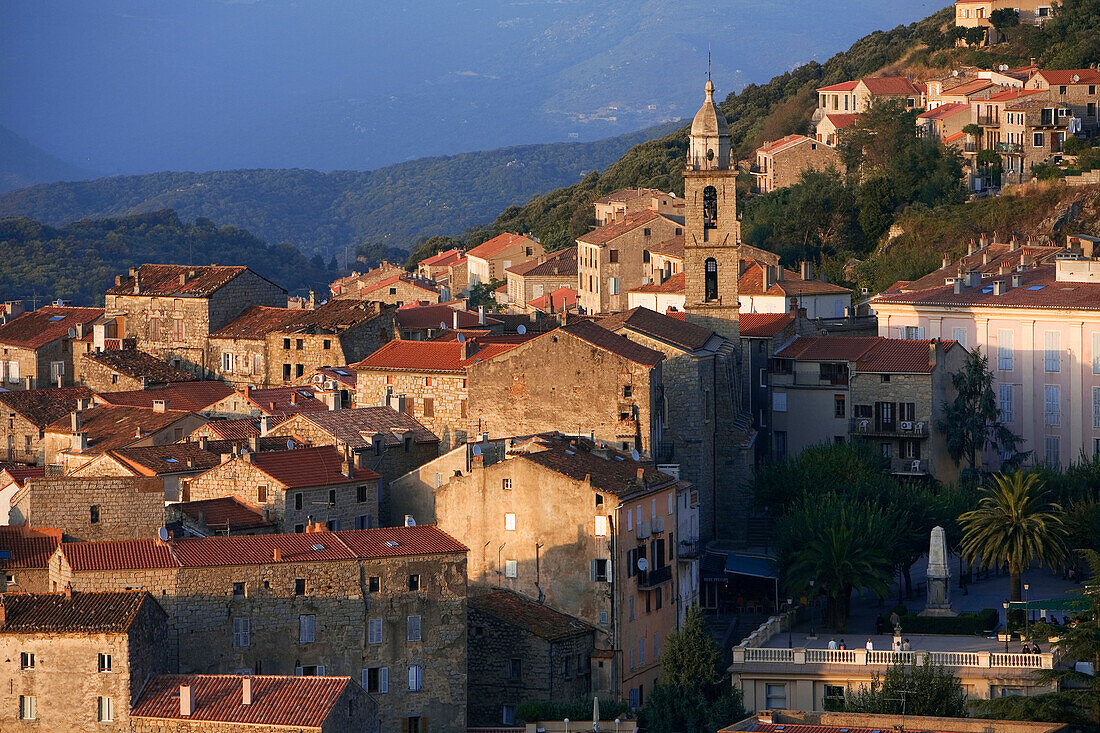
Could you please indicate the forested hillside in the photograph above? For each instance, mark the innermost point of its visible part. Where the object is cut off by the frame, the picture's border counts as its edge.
(326, 212)
(79, 261)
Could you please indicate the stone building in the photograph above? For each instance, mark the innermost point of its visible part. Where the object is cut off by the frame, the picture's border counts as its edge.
(976, 13)
(384, 606)
(26, 567)
(489, 260)
(565, 521)
(803, 721)
(29, 412)
(12, 480)
(450, 268)
(270, 402)
(400, 290)
(297, 487)
(781, 163)
(944, 121)
(762, 334)
(339, 379)
(857, 96)
(126, 369)
(828, 128)
(172, 463)
(1076, 89)
(426, 380)
(611, 258)
(579, 379)
(889, 391)
(36, 347)
(520, 650)
(172, 309)
(85, 435)
(226, 515)
(356, 281)
(77, 661)
(538, 276)
(629, 201)
(267, 347)
(92, 508)
(426, 322)
(388, 442)
(207, 703)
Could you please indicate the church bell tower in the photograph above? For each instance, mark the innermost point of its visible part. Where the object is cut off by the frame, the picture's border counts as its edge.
(712, 234)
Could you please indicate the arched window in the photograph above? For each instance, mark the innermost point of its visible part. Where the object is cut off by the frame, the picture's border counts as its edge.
(710, 280)
(710, 207)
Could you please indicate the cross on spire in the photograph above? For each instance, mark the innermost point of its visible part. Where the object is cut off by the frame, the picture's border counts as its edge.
(708, 62)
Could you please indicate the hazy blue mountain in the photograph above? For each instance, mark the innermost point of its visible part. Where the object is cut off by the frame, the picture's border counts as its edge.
(22, 164)
(133, 86)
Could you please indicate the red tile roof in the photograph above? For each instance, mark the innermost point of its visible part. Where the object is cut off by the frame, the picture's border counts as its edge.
(989, 259)
(357, 427)
(563, 299)
(763, 325)
(846, 86)
(885, 85)
(43, 406)
(674, 284)
(673, 247)
(286, 400)
(782, 144)
(34, 329)
(525, 613)
(871, 354)
(139, 365)
(630, 194)
(617, 473)
(18, 474)
(944, 111)
(349, 544)
(421, 317)
(444, 259)
(254, 324)
(970, 87)
(828, 348)
(29, 548)
(612, 342)
(241, 429)
(1064, 77)
(202, 281)
(751, 282)
(954, 137)
(333, 317)
(154, 460)
(499, 243)
(562, 263)
(1010, 94)
(225, 511)
(109, 428)
(428, 286)
(1039, 288)
(292, 702)
(658, 326)
(841, 120)
(189, 396)
(619, 227)
(304, 467)
(82, 613)
(344, 376)
(430, 356)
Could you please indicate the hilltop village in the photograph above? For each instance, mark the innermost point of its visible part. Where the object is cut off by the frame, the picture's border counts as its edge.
(395, 508)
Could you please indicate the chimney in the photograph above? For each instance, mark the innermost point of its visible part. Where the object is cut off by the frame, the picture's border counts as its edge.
(985, 258)
(271, 405)
(99, 336)
(971, 248)
(1004, 269)
(360, 457)
(641, 476)
(973, 278)
(79, 441)
(294, 397)
(160, 405)
(266, 424)
(247, 456)
(183, 279)
(247, 391)
(276, 555)
(779, 273)
(454, 319)
(807, 270)
(1016, 280)
(203, 442)
(3, 613)
(999, 287)
(187, 701)
(254, 443)
(246, 691)
(468, 348)
(958, 286)
(983, 241)
(346, 468)
(793, 308)
(118, 280)
(769, 276)
(946, 261)
(1013, 244)
(1026, 260)
(68, 591)
(481, 315)
(76, 420)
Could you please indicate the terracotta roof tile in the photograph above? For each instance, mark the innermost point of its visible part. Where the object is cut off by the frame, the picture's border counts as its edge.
(355, 427)
(619, 227)
(900, 356)
(525, 613)
(563, 299)
(887, 85)
(841, 120)
(562, 263)
(18, 474)
(225, 511)
(601, 338)
(1010, 94)
(444, 259)
(499, 243)
(846, 86)
(138, 365)
(673, 285)
(627, 195)
(290, 400)
(430, 356)
(574, 457)
(304, 467)
(782, 143)
(989, 259)
(154, 460)
(1064, 77)
(43, 406)
(970, 87)
(423, 539)
(763, 325)
(658, 326)
(35, 329)
(944, 111)
(1039, 288)
(109, 428)
(673, 247)
(342, 375)
(420, 317)
(161, 280)
(298, 702)
(335, 316)
(188, 396)
(828, 348)
(254, 323)
(29, 548)
(751, 282)
(82, 613)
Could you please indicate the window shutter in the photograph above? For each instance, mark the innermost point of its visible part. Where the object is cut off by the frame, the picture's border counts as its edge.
(609, 575)
(320, 670)
(414, 628)
(592, 570)
(374, 631)
(384, 679)
(363, 678)
(629, 521)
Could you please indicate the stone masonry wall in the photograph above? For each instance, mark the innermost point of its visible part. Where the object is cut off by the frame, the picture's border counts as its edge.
(20, 440)
(96, 508)
(100, 378)
(447, 391)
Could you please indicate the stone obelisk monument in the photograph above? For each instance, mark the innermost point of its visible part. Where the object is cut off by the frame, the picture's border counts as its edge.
(938, 577)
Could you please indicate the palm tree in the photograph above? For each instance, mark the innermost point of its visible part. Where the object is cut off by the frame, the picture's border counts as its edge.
(1012, 526)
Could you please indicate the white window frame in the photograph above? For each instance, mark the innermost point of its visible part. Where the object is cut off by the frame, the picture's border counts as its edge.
(509, 522)
(227, 362)
(958, 335)
(1052, 352)
(416, 678)
(1004, 350)
(601, 526)
(779, 401)
(28, 707)
(511, 568)
(307, 628)
(105, 709)
(1052, 446)
(412, 625)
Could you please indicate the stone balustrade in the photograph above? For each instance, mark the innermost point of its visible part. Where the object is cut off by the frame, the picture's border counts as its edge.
(800, 655)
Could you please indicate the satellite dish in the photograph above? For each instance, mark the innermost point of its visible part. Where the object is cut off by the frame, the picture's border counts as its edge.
(409, 521)
(634, 454)
(1076, 78)
(72, 333)
(476, 450)
(443, 325)
(521, 330)
(461, 339)
(162, 533)
(290, 445)
(643, 564)
(955, 72)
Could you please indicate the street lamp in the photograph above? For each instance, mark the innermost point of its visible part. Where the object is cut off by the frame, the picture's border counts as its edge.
(1005, 604)
(1027, 613)
(567, 725)
(616, 725)
(790, 623)
(811, 610)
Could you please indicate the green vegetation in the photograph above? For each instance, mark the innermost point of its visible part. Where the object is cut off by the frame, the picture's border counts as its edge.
(971, 422)
(325, 213)
(79, 262)
(965, 624)
(578, 710)
(1014, 525)
(927, 689)
(693, 694)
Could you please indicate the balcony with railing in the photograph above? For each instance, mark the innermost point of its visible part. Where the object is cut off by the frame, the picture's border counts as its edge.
(894, 428)
(991, 120)
(887, 658)
(1009, 148)
(690, 548)
(971, 147)
(910, 466)
(653, 578)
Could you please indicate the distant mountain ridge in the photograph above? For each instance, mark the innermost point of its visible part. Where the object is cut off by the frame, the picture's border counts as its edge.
(324, 213)
(24, 164)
